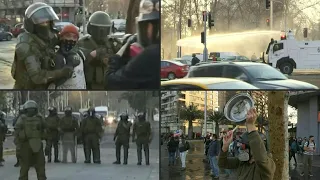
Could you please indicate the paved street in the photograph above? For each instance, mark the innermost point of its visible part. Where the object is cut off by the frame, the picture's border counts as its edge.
(106, 170)
(199, 170)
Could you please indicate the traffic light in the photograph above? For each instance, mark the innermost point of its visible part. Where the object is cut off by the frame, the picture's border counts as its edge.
(202, 37)
(268, 22)
(267, 4)
(204, 15)
(189, 22)
(210, 21)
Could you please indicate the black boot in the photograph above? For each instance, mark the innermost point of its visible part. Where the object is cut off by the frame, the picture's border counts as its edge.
(87, 161)
(139, 153)
(57, 160)
(17, 164)
(49, 158)
(118, 154)
(146, 154)
(125, 155)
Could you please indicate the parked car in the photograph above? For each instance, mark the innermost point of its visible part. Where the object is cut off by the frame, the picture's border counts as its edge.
(236, 58)
(17, 29)
(173, 69)
(260, 75)
(205, 84)
(59, 25)
(4, 35)
(119, 24)
(183, 61)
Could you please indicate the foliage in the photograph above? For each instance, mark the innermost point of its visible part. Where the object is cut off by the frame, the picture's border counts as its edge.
(139, 100)
(190, 113)
(217, 117)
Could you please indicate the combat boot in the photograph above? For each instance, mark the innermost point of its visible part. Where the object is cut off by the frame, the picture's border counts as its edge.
(56, 160)
(97, 162)
(87, 162)
(49, 159)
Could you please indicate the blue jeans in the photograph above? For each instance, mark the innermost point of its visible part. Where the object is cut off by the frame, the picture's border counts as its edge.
(214, 165)
(172, 157)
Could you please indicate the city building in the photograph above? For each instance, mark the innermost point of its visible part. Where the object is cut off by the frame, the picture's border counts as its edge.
(13, 10)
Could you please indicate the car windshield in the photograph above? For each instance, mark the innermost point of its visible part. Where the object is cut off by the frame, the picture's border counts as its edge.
(264, 72)
(231, 85)
(242, 58)
(184, 62)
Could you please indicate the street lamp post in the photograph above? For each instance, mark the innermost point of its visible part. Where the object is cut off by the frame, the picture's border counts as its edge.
(205, 118)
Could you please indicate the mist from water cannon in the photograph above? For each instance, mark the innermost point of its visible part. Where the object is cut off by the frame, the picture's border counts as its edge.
(244, 43)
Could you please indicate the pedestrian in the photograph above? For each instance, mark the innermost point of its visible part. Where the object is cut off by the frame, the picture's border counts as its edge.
(184, 146)
(93, 132)
(214, 149)
(172, 148)
(253, 161)
(3, 132)
(176, 138)
(121, 137)
(293, 146)
(68, 37)
(35, 50)
(300, 145)
(309, 149)
(136, 63)
(195, 60)
(142, 129)
(29, 132)
(53, 134)
(69, 127)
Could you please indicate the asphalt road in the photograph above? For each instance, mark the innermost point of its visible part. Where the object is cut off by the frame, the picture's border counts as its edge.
(105, 171)
(197, 169)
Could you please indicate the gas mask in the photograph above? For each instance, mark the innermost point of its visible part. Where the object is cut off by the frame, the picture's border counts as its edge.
(67, 45)
(45, 32)
(244, 153)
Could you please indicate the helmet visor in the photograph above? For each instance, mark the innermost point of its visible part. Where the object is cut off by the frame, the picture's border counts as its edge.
(100, 32)
(43, 14)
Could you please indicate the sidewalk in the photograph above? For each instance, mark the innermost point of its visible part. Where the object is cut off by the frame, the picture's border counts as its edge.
(199, 170)
(81, 171)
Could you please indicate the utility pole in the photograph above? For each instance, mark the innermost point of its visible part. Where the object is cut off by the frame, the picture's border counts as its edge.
(205, 116)
(84, 18)
(205, 50)
(180, 29)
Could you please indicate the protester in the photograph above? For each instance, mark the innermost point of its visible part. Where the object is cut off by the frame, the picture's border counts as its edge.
(184, 146)
(172, 148)
(309, 148)
(213, 152)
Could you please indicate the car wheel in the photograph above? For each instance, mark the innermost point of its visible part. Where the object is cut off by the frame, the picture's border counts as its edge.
(286, 68)
(9, 37)
(171, 76)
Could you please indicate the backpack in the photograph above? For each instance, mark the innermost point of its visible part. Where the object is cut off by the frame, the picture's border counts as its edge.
(308, 144)
(293, 146)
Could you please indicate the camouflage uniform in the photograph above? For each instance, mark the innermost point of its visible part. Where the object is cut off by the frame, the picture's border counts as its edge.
(69, 128)
(142, 129)
(34, 52)
(30, 131)
(122, 137)
(92, 131)
(99, 39)
(53, 136)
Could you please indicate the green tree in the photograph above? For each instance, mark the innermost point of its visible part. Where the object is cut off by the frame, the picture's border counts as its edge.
(190, 113)
(218, 118)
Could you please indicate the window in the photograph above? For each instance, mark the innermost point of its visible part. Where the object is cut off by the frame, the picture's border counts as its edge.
(165, 64)
(277, 47)
(234, 72)
(207, 71)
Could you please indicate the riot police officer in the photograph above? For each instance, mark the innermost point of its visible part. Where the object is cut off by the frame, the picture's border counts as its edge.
(97, 47)
(137, 62)
(92, 131)
(53, 136)
(30, 131)
(34, 52)
(121, 137)
(21, 111)
(3, 132)
(142, 129)
(69, 128)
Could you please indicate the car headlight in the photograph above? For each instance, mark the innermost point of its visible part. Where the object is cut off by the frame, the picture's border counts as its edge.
(110, 119)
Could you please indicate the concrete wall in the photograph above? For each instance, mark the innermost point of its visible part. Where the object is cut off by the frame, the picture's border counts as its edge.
(308, 120)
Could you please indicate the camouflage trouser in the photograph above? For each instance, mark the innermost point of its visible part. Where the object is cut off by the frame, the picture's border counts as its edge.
(145, 145)
(92, 144)
(29, 159)
(68, 144)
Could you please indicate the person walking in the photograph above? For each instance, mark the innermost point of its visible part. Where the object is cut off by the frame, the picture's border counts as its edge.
(213, 153)
(293, 145)
(309, 148)
(184, 146)
(172, 148)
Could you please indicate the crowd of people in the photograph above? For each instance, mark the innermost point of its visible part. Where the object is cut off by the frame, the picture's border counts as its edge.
(95, 61)
(31, 129)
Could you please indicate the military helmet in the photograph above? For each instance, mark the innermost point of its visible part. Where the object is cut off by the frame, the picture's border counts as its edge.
(30, 104)
(149, 13)
(141, 115)
(124, 115)
(52, 109)
(38, 13)
(99, 25)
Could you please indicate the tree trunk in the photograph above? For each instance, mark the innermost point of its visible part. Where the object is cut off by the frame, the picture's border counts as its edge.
(217, 129)
(132, 13)
(278, 131)
(190, 129)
